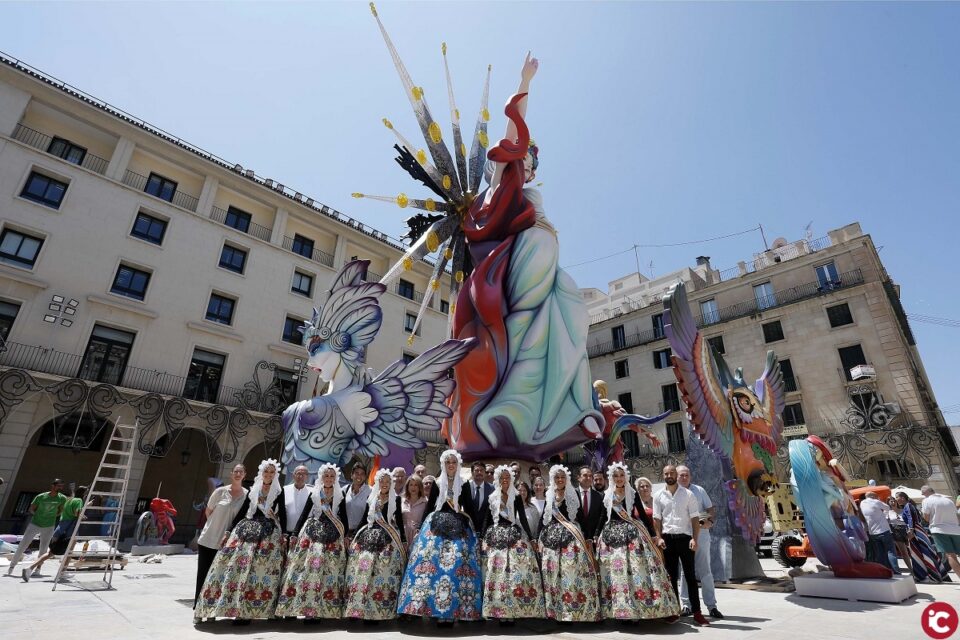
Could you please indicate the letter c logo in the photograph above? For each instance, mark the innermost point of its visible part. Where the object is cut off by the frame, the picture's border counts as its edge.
(939, 620)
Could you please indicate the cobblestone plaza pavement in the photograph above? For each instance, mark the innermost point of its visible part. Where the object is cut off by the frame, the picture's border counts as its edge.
(153, 601)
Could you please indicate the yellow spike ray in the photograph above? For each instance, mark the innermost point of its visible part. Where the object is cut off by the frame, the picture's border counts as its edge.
(419, 154)
(478, 154)
(432, 288)
(459, 147)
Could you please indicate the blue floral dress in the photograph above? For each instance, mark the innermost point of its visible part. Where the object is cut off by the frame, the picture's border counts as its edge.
(443, 578)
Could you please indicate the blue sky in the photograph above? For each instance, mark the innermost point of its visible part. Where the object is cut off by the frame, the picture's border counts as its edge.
(657, 123)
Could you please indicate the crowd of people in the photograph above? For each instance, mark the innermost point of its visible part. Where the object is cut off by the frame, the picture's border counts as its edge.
(452, 547)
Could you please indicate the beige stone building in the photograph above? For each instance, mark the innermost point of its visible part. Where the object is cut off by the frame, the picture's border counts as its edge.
(142, 278)
(832, 314)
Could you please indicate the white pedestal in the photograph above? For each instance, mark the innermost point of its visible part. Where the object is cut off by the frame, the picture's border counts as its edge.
(826, 585)
(164, 549)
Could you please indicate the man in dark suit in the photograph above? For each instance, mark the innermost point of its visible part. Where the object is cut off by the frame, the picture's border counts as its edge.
(479, 494)
(591, 504)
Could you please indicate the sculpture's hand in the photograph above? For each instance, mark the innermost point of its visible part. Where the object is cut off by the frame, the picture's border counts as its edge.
(357, 410)
(530, 66)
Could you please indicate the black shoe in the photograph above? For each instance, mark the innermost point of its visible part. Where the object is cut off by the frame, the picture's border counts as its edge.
(685, 612)
(715, 613)
(238, 622)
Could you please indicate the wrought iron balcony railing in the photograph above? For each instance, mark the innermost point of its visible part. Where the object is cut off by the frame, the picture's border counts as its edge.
(43, 142)
(739, 310)
(180, 199)
(314, 254)
(256, 230)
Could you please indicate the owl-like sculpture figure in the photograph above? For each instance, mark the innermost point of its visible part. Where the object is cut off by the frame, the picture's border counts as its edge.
(361, 413)
(739, 424)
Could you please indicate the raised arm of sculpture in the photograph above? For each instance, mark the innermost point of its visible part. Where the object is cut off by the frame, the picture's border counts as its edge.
(739, 424)
(530, 67)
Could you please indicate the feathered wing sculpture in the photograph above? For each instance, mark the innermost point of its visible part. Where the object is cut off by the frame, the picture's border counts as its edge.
(609, 448)
(363, 414)
(739, 424)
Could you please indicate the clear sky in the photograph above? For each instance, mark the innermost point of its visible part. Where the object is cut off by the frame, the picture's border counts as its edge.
(657, 123)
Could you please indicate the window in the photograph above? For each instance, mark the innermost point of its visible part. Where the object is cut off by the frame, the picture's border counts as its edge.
(618, 337)
(626, 401)
(657, 325)
(839, 315)
(8, 314)
(793, 415)
(444, 306)
(893, 468)
(149, 228)
(19, 248)
(409, 322)
(661, 358)
(203, 379)
(772, 331)
(288, 384)
(827, 275)
(45, 190)
(293, 330)
(405, 289)
(709, 311)
(130, 282)
(717, 343)
(239, 220)
(302, 246)
(671, 399)
(302, 284)
(675, 441)
(106, 356)
(851, 357)
(233, 258)
(621, 369)
(408, 357)
(160, 187)
(220, 309)
(789, 381)
(763, 294)
(65, 149)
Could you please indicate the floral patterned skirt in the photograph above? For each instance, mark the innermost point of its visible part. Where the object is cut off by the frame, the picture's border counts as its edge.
(442, 579)
(313, 583)
(569, 581)
(244, 578)
(512, 585)
(374, 570)
(634, 584)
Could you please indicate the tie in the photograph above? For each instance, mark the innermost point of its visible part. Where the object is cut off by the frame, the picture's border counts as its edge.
(586, 501)
(476, 495)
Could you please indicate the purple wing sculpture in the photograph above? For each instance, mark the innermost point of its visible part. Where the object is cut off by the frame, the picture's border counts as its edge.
(739, 424)
(364, 414)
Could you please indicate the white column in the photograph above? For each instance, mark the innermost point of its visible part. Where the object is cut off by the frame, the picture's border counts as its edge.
(13, 104)
(207, 195)
(279, 226)
(340, 251)
(120, 159)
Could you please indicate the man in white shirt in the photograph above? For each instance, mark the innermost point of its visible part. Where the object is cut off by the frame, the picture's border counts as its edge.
(702, 556)
(356, 497)
(295, 498)
(881, 548)
(941, 513)
(676, 518)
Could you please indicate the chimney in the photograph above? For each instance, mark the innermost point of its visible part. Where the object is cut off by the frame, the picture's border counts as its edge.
(703, 261)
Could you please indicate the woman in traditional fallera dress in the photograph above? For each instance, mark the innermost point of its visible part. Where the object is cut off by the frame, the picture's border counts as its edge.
(313, 582)
(246, 574)
(634, 584)
(569, 568)
(443, 578)
(513, 587)
(377, 556)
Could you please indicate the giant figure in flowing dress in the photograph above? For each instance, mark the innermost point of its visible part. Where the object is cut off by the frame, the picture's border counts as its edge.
(526, 388)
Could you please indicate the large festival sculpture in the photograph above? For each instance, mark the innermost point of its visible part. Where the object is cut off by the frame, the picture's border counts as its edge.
(739, 424)
(525, 390)
(360, 413)
(831, 518)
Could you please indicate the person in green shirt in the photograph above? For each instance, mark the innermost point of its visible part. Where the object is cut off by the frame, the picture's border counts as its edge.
(44, 512)
(62, 533)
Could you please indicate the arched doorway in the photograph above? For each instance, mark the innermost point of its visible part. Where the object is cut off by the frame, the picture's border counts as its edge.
(179, 470)
(259, 453)
(68, 447)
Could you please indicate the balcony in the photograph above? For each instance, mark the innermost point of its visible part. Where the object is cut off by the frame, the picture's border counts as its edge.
(403, 293)
(43, 142)
(180, 199)
(253, 229)
(740, 310)
(316, 255)
(68, 365)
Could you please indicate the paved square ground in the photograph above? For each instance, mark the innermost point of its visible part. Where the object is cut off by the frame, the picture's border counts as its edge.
(153, 601)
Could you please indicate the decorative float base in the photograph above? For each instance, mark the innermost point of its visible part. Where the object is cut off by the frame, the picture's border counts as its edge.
(826, 585)
(163, 549)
